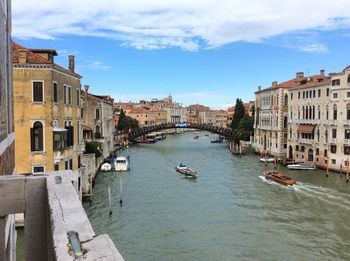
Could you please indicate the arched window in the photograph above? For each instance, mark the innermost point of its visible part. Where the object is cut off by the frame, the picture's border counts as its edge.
(303, 112)
(319, 112)
(318, 135)
(313, 112)
(307, 112)
(326, 136)
(97, 132)
(97, 113)
(286, 99)
(36, 137)
(348, 111)
(327, 112)
(335, 112)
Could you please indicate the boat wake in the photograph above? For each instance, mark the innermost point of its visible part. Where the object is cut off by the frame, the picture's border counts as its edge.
(326, 195)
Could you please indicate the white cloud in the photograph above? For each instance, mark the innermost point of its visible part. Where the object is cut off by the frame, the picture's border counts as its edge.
(188, 24)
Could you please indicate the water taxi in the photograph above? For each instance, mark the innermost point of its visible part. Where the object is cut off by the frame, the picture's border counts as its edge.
(267, 160)
(301, 166)
(186, 171)
(196, 137)
(279, 178)
(121, 164)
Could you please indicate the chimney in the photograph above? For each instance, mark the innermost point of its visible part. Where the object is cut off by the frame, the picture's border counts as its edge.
(259, 88)
(22, 56)
(71, 63)
(322, 72)
(299, 75)
(274, 83)
(86, 88)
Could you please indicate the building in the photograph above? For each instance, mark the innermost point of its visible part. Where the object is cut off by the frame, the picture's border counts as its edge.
(271, 114)
(248, 108)
(220, 118)
(207, 117)
(308, 121)
(145, 117)
(97, 120)
(47, 111)
(7, 136)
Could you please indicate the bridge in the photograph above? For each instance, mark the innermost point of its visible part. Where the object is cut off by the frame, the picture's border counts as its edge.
(225, 132)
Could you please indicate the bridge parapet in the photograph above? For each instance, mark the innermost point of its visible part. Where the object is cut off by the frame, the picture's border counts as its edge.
(225, 132)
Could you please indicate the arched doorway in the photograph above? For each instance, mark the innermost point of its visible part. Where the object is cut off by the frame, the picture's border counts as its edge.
(290, 153)
(310, 155)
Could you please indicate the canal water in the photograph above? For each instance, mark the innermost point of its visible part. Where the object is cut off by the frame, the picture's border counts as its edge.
(229, 213)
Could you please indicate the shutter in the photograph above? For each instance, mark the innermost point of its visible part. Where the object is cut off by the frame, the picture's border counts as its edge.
(72, 134)
(41, 139)
(32, 146)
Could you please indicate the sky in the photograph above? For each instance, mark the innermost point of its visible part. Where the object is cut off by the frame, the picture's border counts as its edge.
(209, 52)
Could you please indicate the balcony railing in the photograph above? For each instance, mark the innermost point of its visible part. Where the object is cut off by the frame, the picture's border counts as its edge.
(333, 140)
(347, 122)
(56, 226)
(306, 141)
(347, 141)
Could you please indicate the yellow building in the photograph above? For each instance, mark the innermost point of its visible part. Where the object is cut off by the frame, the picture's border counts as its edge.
(47, 111)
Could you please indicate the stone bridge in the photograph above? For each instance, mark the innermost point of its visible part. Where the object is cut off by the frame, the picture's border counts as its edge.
(225, 132)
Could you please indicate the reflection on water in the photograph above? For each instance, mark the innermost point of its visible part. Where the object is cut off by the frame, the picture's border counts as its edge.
(229, 213)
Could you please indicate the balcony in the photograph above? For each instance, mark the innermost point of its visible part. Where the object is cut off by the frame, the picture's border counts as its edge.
(306, 141)
(56, 226)
(333, 140)
(332, 122)
(346, 141)
(347, 122)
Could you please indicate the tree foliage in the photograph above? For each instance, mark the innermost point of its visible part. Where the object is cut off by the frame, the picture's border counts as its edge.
(125, 122)
(93, 147)
(238, 115)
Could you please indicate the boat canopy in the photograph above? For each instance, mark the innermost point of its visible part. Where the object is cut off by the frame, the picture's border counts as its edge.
(306, 128)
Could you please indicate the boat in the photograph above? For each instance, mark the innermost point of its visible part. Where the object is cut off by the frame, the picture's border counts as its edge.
(301, 166)
(186, 171)
(279, 177)
(267, 160)
(106, 167)
(196, 137)
(121, 164)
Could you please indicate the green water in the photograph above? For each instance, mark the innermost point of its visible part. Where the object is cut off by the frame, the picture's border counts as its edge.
(229, 213)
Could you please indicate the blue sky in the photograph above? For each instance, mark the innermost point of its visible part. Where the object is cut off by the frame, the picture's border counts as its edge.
(209, 52)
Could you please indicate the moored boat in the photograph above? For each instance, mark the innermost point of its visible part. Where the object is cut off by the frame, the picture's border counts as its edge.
(301, 166)
(106, 167)
(196, 137)
(121, 164)
(186, 171)
(279, 177)
(267, 160)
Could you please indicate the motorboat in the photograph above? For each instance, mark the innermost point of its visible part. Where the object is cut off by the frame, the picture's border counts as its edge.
(279, 177)
(186, 171)
(106, 167)
(268, 159)
(121, 163)
(301, 166)
(196, 137)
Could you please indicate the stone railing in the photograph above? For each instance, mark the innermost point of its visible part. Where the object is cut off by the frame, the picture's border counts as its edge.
(56, 226)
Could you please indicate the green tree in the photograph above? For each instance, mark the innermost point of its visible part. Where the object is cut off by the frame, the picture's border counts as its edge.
(246, 127)
(125, 122)
(93, 147)
(238, 115)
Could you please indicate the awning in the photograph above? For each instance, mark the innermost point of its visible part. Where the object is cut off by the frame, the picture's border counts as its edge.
(86, 128)
(57, 129)
(303, 128)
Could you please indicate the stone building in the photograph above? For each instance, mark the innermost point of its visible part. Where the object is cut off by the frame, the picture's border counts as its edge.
(309, 113)
(271, 114)
(97, 120)
(47, 111)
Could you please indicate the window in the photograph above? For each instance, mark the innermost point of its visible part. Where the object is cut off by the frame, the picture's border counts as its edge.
(37, 169)
(319, 92)
(97, 132)
(36, 137)
(347, 134)
(285, 122)
(97, 114)
(299, 95)
(286, 99)
(346, 150)
(81, 113)
(333, 148)
(67, 94)
(56, 167)
(297, 147)
(335, 82)
(59, 140)
(348, 78)
(69, 89)
(78, 97)
(334, 161)
(314, 93)
(334, 133)
(348, 94)
(70, 133)
(335, 112)
(335, 95)
(38, 92)
(348, 111)
(54, 92)
(317, 151)
(327, 92)
(325, 153)
(291, 96)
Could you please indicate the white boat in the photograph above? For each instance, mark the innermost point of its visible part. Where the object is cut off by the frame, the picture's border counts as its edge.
(186, 171)
(106, 167)
(267, 160)
(121, 164)
(301, 166)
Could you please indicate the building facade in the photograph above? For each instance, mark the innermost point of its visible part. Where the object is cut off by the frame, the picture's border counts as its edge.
(47, 111)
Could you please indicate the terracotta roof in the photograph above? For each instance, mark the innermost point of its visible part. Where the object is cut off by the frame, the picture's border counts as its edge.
(35, 50)
(314, 83)
(31, 57)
